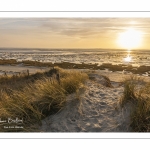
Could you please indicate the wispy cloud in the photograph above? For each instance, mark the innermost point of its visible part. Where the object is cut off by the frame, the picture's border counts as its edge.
(70, 28)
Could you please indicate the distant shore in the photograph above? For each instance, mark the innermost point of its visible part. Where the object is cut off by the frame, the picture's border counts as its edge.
(125, 69)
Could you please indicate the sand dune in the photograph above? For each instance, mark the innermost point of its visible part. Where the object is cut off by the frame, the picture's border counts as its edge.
(96, 110)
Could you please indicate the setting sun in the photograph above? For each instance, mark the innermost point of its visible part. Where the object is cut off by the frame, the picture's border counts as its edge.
(131, 38)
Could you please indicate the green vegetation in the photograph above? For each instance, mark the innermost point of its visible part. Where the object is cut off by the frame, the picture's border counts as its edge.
(137, 92)
(36, 96)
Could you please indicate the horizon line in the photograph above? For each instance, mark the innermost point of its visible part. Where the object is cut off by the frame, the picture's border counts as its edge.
(68, 48)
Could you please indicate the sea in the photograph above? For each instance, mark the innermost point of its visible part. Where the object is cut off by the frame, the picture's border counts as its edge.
(88, 56)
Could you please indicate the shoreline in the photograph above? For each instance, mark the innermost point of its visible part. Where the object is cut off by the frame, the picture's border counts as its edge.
(14, 66)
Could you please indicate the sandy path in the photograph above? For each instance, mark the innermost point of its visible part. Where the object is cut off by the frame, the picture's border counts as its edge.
(95, 111)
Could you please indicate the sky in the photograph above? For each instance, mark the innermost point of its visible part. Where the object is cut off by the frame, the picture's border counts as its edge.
(71, 32)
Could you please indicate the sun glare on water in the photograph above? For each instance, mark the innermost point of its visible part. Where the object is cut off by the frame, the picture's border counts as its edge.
(128, 58)
(131, 38)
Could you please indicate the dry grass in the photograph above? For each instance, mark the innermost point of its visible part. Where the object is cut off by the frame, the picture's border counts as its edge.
(38, 99)
(137, 92)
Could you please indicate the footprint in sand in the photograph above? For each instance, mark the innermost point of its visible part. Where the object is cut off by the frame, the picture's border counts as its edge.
(97, 92)
(113, 90)
(94, 113)
(103, 103)
(102, 94)
(89, 101)
(91, 94)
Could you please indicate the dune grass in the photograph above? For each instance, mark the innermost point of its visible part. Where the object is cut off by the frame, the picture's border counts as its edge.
(37, 97)
(137, 92)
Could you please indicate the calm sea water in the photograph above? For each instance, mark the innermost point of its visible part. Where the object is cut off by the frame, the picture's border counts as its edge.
(99, 56)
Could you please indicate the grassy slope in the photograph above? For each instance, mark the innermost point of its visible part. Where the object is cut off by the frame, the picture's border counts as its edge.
(37, 96)
(137, 92)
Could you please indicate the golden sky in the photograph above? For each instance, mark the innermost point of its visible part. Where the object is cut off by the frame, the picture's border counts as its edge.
(70, 32)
